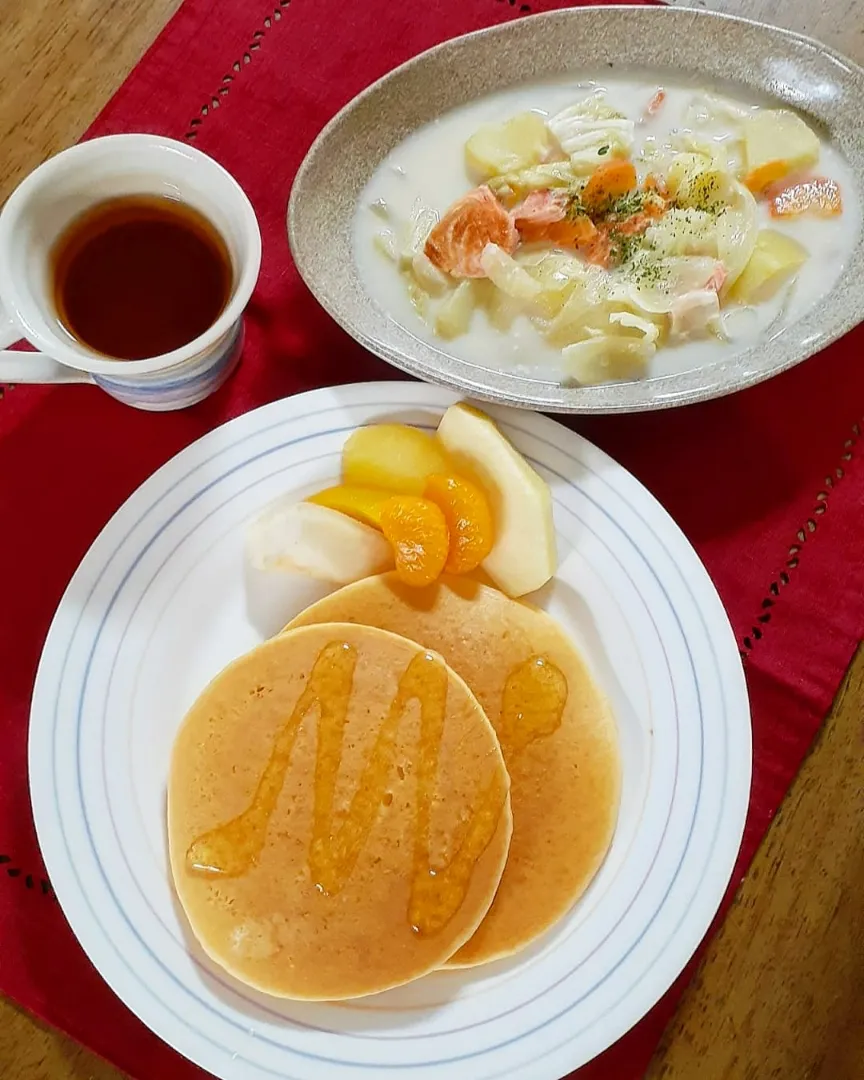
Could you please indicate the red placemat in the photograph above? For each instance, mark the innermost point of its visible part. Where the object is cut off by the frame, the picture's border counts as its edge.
(766, 484)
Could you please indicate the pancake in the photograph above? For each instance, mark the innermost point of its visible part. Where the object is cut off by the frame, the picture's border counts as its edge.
(338, 814)
(555, 727)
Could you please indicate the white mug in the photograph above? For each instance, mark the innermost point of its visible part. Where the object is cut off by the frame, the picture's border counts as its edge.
(64, 187)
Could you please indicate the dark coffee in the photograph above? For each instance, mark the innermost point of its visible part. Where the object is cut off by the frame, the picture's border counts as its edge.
(139, 276)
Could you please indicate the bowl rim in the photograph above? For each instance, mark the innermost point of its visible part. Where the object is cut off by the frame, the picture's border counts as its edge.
(841, 310)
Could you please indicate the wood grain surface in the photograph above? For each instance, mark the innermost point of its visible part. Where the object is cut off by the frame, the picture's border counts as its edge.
(780, 995)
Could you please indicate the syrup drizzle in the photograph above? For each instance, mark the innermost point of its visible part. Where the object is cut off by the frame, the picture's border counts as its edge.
(533, 703)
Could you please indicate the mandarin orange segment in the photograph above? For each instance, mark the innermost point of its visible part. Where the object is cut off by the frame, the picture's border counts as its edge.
(469, 520)
(361, 503)
(418, 533)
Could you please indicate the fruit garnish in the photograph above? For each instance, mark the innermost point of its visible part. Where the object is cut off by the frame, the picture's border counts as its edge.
(469, 520)
(523, 552)
(362, 503)
(417, 530)
(395, 457)
(299, 537)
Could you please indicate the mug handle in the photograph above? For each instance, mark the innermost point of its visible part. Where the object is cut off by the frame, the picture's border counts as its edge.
(31, 367)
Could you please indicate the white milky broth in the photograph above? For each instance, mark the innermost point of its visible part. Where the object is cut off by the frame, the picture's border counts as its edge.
(429, 169)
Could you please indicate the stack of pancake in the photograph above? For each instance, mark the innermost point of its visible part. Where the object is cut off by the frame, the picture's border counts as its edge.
(403, 779)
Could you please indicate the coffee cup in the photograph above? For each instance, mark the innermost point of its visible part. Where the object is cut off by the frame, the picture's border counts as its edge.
(65, 188)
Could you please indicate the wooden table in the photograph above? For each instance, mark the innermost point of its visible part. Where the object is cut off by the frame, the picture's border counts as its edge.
(781, 991)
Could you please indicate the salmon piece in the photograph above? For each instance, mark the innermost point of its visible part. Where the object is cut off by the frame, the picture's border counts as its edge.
(656, 184)
(819, 196)
(541, 208)
(599, 251)
(655, 206)
(634, 225)
(543, 218)
(717, 279)
(456, 243)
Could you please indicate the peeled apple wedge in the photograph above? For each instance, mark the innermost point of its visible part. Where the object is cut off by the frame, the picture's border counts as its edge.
(523, 556)
(395, 457)
(516, 144)
(303, 538)
(775, 259)
(779, 135)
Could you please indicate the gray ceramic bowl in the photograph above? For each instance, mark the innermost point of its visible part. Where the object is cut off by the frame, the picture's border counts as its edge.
(714, 48)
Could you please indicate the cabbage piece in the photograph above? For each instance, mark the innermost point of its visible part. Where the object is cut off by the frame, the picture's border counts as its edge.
(693, 314)
(504, 272)
(428, 276)
(656, 283)
(604, 359)
(718, 130)
(419, 299)
(591, 130)
(454, 314)
(558, 275)
(649, 330)
(683, 165)
(684, 231)
(585, 310)
(423, 219)
(501, 309)
(697, 182)
(385, 242)
(724, 151)
(706, 108)
(737, 229)
(514, 186)
(380, 209)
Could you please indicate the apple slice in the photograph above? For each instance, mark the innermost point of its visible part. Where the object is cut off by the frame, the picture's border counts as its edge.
(395, 457)
(302, 537)
(523, 556)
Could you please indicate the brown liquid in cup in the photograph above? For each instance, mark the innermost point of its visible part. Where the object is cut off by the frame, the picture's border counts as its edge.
(139, 276)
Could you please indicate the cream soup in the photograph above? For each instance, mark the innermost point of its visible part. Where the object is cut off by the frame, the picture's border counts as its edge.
(706, 276)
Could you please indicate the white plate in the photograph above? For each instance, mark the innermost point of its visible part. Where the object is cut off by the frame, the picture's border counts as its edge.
(158, 606)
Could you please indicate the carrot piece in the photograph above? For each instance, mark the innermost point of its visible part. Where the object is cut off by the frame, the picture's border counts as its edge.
(634, 225)
(572, 232)
(656, 102)
(758, 180)
(608, 182)
(819, 196)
